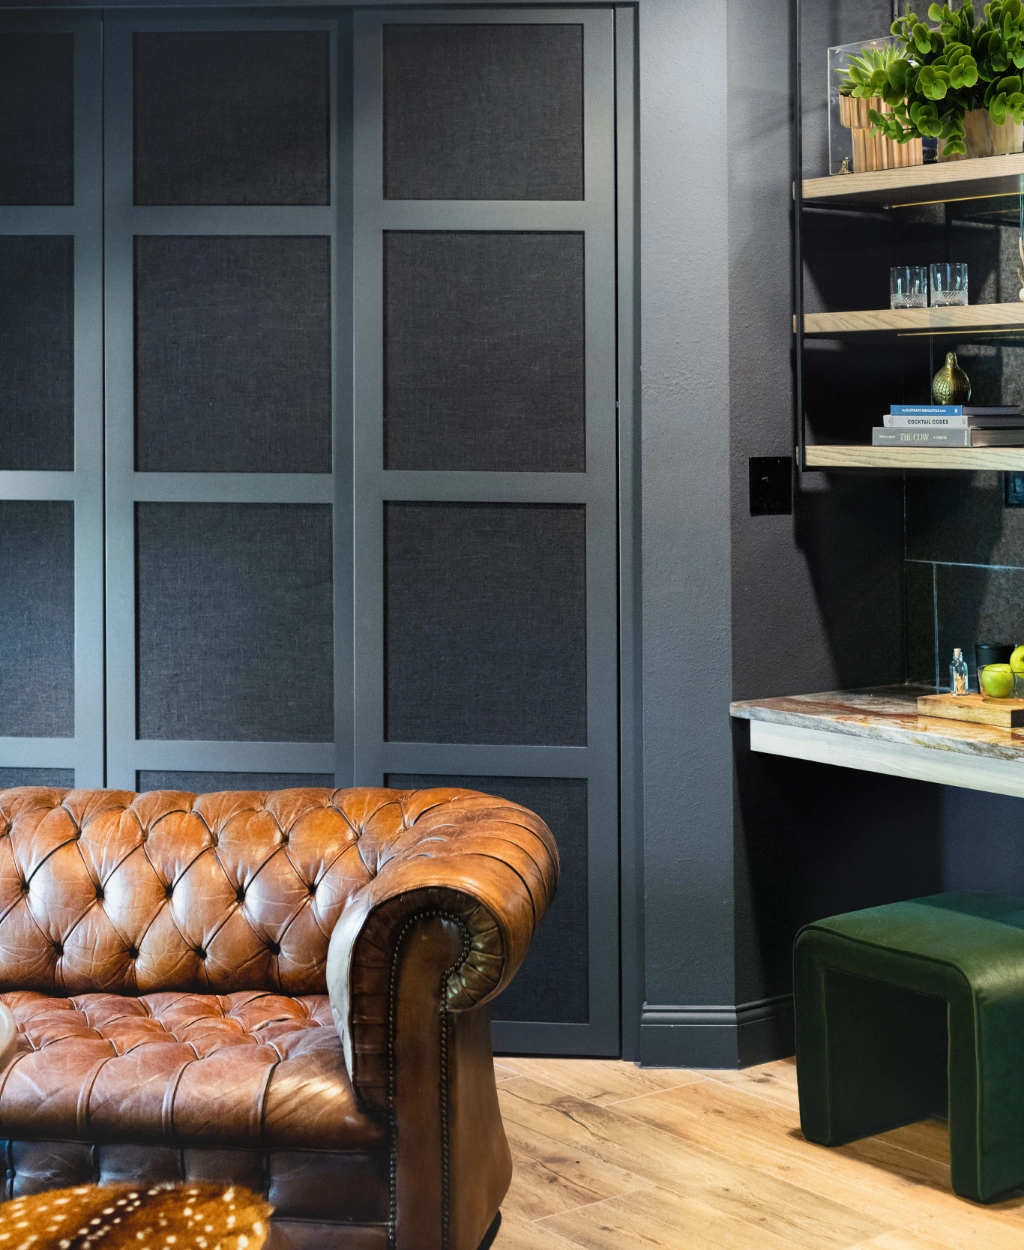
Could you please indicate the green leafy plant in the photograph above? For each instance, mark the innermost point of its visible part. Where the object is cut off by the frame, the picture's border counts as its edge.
(933, 76)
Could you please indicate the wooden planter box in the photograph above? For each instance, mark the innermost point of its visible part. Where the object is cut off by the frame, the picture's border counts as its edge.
(874, 151)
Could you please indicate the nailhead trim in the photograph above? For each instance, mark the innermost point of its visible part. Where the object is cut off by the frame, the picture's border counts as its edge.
(443, 1092)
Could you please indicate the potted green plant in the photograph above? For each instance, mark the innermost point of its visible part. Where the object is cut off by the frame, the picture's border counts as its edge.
(864, 77)
(957, 81)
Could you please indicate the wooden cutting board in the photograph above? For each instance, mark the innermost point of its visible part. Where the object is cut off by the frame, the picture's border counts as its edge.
(1006, 713)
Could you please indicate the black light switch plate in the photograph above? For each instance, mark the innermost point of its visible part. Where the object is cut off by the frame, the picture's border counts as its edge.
(771, 485)
(1014, 486)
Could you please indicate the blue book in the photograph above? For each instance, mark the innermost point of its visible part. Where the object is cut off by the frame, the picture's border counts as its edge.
(926, 410)
(953, 410)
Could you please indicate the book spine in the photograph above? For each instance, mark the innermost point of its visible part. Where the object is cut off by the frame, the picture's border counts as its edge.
(926, 410)
(895, 422)
(883, 437)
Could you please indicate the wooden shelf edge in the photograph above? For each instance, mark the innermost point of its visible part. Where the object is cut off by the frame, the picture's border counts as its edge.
(858, 456)
(969, 316)
(921, 184)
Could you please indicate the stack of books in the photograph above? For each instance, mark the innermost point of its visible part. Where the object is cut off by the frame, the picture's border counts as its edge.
(949, 425)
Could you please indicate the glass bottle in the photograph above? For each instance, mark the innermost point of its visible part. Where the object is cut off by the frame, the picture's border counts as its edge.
(958, 673)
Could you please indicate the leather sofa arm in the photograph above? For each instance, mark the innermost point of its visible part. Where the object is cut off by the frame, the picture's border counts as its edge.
(485, 865)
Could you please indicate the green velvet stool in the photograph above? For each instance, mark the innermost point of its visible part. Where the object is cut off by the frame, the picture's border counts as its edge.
(914, 1009)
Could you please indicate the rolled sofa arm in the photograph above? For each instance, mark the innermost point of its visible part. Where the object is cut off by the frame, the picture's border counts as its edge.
(487, 865)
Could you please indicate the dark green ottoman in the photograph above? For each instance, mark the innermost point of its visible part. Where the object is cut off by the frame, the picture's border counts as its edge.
(911, 1009)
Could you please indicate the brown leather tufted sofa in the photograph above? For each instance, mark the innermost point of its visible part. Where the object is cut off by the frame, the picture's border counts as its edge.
(287, 989)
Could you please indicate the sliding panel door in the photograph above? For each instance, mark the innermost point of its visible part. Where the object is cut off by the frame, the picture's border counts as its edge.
(229, 613)
(51, 397)
(485, 454)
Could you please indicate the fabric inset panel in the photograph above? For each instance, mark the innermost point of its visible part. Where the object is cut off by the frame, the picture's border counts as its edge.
(484, 351)
(485, 623)
(37, 105)
(235, 622)
(37, 619)
(232, 117)
(37, 351)
(63, 778)
(208, 783)
(483, 112)
(233, 354)
(553, 983)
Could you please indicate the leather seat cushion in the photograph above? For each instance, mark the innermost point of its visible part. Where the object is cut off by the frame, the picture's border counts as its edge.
(320, 1189)
(245, 1069)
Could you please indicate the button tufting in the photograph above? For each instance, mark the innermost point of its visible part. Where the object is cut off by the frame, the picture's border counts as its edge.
(240, 895)
(58, 949)
(133, 952)
(99, 892)
(274, 948)
(169, 891)
(201, 953)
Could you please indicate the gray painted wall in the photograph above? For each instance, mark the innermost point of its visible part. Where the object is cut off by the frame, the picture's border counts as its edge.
(684, 285)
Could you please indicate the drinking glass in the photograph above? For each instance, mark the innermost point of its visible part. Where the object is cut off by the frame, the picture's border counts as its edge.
(908, 286)
(949, 284)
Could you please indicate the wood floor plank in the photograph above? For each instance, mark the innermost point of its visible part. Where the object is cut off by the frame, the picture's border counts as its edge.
(902, 1239)
(894, 1186)
(533, 1112)
(550, 1178)
(775, 1081)
(605, 1080)
(518, 1234)
(929, 1138)
(660, 1220)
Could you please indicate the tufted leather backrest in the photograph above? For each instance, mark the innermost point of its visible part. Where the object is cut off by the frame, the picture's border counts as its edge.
(105, 890)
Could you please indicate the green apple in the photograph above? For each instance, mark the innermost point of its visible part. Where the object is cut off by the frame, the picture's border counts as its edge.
(1017, 660)
(997, 680)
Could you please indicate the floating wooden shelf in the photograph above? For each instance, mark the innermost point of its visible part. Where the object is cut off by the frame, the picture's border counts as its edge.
(921, 184)
(857, 456)
(917, 320)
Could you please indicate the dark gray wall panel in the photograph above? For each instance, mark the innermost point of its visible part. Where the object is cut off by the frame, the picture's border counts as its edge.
(235, 622)
(61, 777)
(233, 354)
(483, 112)
(485, 623)
(37, 373)
(484, 351)
(207, 783)
(232, 117)
(552, 984)
(37, 134)
(37, 619)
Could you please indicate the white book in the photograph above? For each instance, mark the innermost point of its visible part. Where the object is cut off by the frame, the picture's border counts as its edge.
(893, 421)
(932, 423)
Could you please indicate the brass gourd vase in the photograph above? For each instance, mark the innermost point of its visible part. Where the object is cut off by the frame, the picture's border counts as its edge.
(951, 385)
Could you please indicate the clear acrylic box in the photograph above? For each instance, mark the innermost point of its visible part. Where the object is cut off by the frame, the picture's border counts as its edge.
(840, 144)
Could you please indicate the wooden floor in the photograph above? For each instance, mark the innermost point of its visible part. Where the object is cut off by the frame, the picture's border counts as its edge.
(609, 1156)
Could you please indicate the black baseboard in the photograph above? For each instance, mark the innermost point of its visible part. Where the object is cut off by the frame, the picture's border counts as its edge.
(717, 1037)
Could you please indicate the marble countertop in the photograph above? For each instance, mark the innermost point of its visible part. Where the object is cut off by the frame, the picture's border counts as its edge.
(886, 714)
